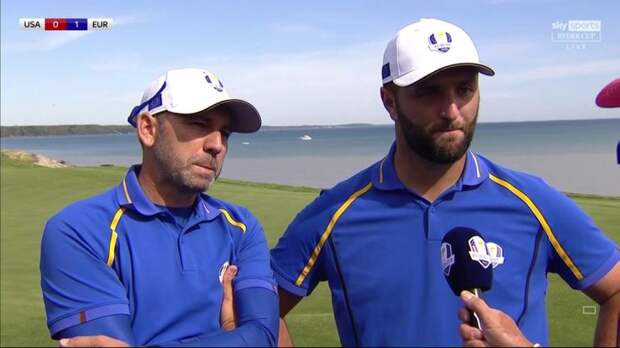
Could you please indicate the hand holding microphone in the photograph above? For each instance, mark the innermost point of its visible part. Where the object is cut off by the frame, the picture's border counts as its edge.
(499, 330)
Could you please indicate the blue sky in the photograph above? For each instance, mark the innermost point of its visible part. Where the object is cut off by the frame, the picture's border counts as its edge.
(298, 62)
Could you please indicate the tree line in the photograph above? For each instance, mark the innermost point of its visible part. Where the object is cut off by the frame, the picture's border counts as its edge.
(20, 131)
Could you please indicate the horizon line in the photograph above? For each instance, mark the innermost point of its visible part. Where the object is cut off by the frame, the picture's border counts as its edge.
(325, 125)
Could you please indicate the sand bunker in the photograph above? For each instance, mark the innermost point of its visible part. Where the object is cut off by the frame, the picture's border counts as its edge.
(39, 160)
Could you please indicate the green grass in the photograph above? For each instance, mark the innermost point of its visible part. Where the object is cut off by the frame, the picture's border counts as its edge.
(30, 195)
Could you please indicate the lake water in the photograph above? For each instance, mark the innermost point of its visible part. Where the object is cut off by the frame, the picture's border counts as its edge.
(574, 156)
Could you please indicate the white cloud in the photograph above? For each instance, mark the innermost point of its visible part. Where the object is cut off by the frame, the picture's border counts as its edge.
(341, 85)
(322, 87)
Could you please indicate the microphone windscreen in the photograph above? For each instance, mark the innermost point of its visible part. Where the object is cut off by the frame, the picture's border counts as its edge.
(465, 260)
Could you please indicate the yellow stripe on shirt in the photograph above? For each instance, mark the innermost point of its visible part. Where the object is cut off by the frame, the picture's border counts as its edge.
(114, 236)
(232, 221)
(543, 222)
(328, 230)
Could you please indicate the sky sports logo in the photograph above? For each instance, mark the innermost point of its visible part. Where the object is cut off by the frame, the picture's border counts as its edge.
(576, 31)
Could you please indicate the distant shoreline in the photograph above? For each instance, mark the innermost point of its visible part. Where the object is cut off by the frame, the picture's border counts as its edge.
(25, 131)
(93, 129)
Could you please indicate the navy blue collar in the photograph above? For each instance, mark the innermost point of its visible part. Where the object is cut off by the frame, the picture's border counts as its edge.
(384, 175)
(130, 195)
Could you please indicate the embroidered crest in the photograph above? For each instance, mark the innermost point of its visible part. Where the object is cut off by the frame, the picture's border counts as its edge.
(440, 41)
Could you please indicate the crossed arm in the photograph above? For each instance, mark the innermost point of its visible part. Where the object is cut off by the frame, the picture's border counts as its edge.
(252, 323)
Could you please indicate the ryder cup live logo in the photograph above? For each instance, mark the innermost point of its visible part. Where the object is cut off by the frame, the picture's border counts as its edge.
(486, 254)
(478, 251)
(576, 33)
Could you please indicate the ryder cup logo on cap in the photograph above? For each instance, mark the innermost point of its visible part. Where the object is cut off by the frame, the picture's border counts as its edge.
(219, 86)
(189, 91)
(440, 41)
(425, 47)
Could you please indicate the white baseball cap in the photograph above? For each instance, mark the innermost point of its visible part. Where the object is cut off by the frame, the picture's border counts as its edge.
(188, 91)
(425, 47)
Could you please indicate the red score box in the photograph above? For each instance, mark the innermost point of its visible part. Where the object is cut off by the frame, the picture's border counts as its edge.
(55, 24)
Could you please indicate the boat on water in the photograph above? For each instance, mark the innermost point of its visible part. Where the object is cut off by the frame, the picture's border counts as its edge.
(305, 137)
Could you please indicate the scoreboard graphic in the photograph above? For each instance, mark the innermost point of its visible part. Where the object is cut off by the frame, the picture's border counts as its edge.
(65, 24)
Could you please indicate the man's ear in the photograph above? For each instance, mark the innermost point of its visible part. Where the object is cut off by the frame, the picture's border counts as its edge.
(389, 102)
(146, 125)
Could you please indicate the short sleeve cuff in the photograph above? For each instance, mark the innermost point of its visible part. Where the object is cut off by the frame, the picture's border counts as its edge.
(255, 283)
(600, 272)
(87, 315)
(287, 285)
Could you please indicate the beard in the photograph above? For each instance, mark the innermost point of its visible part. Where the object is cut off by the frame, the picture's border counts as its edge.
(180, 174)
(421, 141)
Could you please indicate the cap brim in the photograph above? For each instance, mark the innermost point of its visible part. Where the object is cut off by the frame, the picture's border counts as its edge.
(416, 76)
(245, 117)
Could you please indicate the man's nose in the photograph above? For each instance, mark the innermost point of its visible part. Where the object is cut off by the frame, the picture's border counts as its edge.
(450, 110)
(214, 143)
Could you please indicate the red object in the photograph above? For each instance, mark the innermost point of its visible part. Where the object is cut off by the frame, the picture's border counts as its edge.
(609, 96)
(55, 24)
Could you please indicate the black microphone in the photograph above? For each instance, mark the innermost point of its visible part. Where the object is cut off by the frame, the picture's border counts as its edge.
(466, 263)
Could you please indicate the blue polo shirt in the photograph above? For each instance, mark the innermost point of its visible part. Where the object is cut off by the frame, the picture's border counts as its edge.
(378, 246)
(119, 254)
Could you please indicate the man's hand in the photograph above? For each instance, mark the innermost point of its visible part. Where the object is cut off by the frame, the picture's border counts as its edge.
(498, 329)
(228, 318)
(91, 341)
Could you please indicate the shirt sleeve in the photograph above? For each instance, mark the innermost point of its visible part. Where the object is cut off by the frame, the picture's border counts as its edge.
(580, 251)
(252, 258)
(257, 320)
(115, 326)
(77, 284)
(297, 257)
